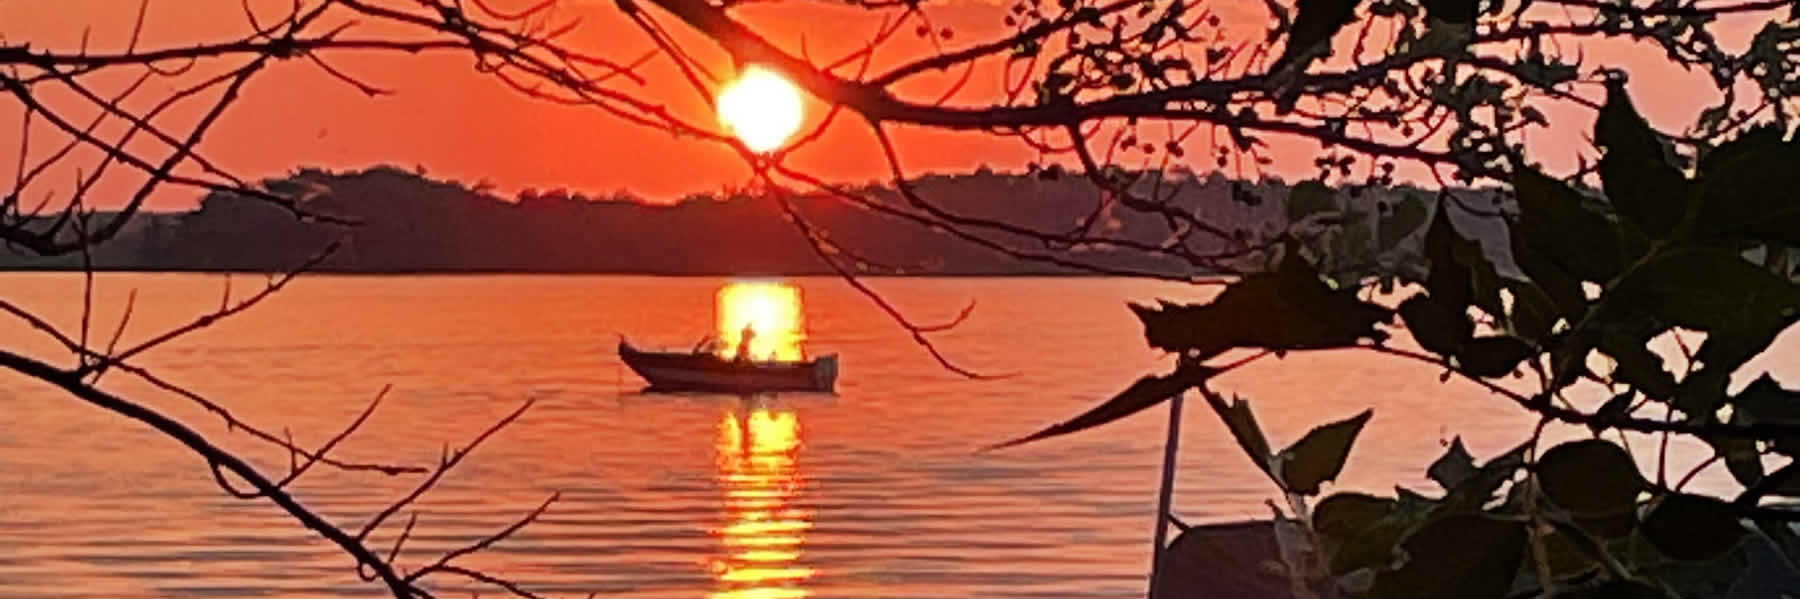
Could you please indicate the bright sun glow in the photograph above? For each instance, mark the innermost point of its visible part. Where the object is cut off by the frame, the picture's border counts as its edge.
(772, 310)
(762, 108)
(765, 528)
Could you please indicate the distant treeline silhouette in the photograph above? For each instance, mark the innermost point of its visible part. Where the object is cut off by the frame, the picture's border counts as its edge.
(413, 223)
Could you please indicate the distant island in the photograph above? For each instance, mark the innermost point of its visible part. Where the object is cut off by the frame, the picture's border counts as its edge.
(412, 223)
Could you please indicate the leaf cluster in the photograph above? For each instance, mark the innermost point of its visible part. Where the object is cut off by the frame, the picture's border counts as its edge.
(1663, 249)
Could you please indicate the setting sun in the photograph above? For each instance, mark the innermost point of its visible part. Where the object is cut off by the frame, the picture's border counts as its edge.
(761, 108)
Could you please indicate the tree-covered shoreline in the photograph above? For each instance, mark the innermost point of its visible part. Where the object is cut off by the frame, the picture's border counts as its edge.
(411, 223)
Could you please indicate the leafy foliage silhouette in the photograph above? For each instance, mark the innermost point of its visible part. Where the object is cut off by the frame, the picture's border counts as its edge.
(1652, 254)
(1687, 235)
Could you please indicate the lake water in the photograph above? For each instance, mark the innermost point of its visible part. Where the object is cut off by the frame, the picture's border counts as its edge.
(878, 491)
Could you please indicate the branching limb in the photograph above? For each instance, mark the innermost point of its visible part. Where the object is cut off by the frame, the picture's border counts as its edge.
(72, 383)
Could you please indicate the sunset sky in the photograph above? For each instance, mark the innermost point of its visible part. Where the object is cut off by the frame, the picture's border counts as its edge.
(464, 125)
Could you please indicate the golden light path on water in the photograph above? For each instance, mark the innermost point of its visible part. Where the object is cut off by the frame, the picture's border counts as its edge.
(773, 310)
(763, 534)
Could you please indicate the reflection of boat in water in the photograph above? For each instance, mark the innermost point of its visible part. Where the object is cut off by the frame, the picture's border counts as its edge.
(706, 371)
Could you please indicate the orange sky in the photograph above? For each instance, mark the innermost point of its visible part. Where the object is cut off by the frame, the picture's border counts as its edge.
(464, 125)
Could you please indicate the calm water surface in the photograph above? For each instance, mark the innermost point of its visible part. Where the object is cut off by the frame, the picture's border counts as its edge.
(878, 491)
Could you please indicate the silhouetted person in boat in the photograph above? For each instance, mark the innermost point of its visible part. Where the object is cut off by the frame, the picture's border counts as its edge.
(743, 352)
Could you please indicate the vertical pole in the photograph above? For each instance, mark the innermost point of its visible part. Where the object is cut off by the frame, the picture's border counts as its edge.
(1171, 448)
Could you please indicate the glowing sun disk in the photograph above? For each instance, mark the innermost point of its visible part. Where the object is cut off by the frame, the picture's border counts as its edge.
(761, 108)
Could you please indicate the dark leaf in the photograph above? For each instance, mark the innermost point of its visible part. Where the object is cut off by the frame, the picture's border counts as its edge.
(1449, 279)
(1552, 282)
(1568, 358)
(1741, 458)
(1534, 314)
(1636, 365)
(1571, 549)
(1314, 24)
(1146, 392)
(1708, 289)
(1692, 527)
(1614, 409)
(1464, 556)
(1633, 242)
(1590, 478)
(1288, 309)
(1725, 351)
(1411, 499)
(1454, 467)
(1492, 356)
(1765, 401)
(1557, 223)
(1436, 327)
(1702, 392)
(1459, 12)
(1741, 308)
(1751, 188)
(1373, 547)
(1343, 515)
(1319, 456)
(1475, 492)
(1241, 422)
(1639, 180)
(1460, 274)
(1361, 531)
(1188, 329)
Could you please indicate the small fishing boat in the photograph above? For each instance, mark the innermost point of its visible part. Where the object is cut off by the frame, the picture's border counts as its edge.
(705, 371)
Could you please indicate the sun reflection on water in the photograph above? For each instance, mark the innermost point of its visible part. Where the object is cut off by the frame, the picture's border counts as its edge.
(773, 310)
(764, 532)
